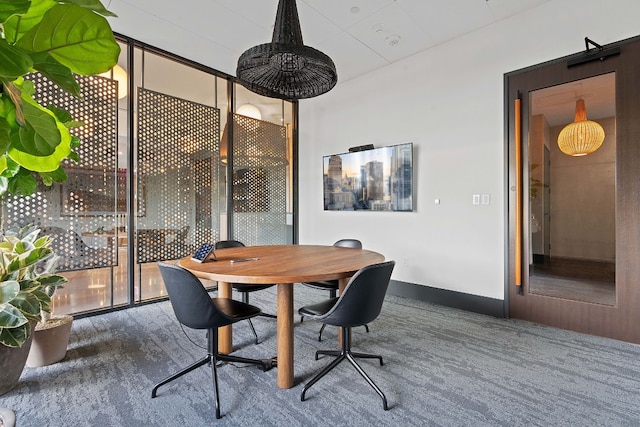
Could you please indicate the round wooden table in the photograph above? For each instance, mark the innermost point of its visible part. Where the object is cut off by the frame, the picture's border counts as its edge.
(283, 265)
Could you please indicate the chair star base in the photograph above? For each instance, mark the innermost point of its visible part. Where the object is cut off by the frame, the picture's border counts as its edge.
(342, 354)
(212, 358)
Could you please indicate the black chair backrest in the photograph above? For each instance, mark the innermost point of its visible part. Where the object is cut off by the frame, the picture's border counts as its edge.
(191, 303)
(222, 244)
(362, 299)
(349, 243)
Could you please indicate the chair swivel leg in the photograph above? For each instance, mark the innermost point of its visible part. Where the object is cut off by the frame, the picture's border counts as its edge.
(178, 374)
(324, 325)
(255, 335)
(367, 356)
(216, 391)
(245, 299)
(351, 359)
(321, 374)
(346, 345)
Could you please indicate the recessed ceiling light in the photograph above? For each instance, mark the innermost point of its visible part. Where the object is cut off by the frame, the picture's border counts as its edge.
(355, 9)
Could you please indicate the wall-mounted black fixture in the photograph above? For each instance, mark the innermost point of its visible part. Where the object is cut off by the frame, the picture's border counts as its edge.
(598, 54)
(361, 148)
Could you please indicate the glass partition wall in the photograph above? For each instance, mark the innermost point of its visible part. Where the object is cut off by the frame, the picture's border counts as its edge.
(161, 171)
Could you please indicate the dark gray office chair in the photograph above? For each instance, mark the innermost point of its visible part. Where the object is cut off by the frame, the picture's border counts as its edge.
(333, 285)
(195, 309)
(359, 304)
(244, 289)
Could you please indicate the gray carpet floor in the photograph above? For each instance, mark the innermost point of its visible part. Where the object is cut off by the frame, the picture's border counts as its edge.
(443, 367)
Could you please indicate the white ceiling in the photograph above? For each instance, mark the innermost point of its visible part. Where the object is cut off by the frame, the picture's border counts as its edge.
(357, 34)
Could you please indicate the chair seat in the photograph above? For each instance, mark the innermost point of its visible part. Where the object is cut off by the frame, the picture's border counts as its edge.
(235, 310)
(242, 287)
(324, 285)
(319, 308)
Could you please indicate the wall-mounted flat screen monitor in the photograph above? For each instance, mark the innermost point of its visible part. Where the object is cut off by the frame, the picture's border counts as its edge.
(379, 179)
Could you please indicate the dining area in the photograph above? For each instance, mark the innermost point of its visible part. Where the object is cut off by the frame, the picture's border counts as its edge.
(361, 277)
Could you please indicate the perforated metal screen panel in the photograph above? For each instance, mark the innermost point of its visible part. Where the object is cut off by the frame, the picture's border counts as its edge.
(178, 152)
(259, 181)
(81, 213)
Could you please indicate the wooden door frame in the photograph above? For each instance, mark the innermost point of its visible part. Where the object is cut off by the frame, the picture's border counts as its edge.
(621, 320)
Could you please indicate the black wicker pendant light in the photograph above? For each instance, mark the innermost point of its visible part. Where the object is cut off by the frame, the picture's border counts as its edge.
(286, 68)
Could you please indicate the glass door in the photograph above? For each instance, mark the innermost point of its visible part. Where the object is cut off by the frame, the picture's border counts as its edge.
(573, 200)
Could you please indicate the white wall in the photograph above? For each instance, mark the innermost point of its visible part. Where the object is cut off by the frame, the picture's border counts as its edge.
(448, 101)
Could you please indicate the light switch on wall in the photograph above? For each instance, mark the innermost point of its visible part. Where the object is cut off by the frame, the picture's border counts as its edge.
(476, 199)
(486, 199)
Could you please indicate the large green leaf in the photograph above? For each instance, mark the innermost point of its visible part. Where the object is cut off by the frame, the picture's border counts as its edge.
(22, 185)
(11, 317)
(58, 175)
(5, 139)
(43, 143)
(17, 25)
(62, 115)
(8, 290)
(94, 5)
(15, 337)
(56, 72)
(31, 257)
(13, 7)
(76, 37)
(43, 299)
(14, 61)
(40, 135)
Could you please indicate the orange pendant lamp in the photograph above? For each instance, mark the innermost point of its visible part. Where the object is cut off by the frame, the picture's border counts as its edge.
(581, 137)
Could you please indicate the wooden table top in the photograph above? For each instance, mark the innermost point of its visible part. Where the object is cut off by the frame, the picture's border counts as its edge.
(283, 264)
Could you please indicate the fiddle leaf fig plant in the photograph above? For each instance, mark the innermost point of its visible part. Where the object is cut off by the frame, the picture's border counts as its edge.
(58, 38)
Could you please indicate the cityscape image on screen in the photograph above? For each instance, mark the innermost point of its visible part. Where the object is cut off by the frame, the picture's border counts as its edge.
(379, 179)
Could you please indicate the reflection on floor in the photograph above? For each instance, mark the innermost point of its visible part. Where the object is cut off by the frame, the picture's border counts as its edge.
(578, 280)
(90, 290)
(96, 288)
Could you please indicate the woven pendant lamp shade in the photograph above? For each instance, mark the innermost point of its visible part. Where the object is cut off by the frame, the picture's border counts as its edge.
(286, 68)
(581, 137)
